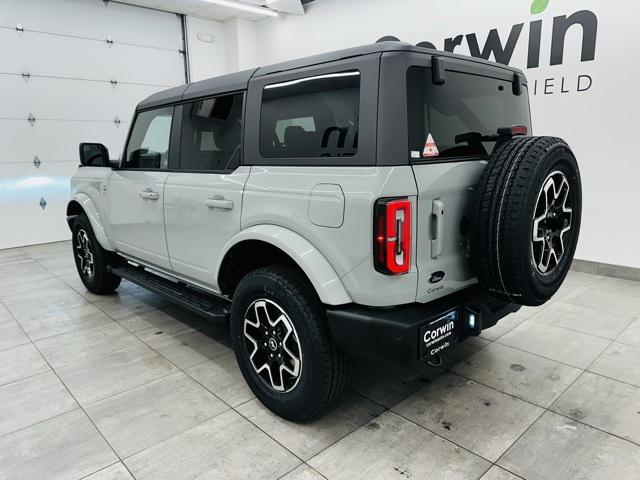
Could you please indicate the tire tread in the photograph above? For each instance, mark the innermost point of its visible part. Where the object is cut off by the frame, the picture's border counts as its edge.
(335, 364)
(500, 216)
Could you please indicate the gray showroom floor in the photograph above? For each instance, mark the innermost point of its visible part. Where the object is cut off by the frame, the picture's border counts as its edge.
(130, 386)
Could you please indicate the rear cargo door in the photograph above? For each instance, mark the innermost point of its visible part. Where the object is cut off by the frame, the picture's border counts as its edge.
(452, 130)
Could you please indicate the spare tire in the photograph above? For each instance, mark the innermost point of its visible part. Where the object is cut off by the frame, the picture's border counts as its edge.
(526, 219)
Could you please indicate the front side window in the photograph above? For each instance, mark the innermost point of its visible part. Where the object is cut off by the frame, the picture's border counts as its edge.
(461, 117)
(148, 147)
(211, 134)
(311, 117)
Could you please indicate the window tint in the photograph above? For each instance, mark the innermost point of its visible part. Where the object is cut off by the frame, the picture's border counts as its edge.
(211, 133)
(311, 117)
(148, 146)
(463, 115)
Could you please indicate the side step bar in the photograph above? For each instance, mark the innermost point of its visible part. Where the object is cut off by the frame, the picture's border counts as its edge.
(208, 306)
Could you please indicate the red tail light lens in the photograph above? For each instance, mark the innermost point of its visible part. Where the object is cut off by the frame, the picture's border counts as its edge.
(513, 131)
(392, 236)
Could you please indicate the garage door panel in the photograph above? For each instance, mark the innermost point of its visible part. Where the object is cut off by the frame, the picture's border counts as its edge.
(57, 140)
(92, 19)
(24, 184)
(76, 99)
(30, 224)
(77, 58)
(63, 48)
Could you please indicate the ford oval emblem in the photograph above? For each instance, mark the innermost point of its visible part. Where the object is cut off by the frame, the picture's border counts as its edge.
(436, 277)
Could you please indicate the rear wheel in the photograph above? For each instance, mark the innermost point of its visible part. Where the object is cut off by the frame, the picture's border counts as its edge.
(282, 344)
(91, 259)
(526, 221)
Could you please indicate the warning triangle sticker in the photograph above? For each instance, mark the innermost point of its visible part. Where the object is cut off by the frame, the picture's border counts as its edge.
(430, 148)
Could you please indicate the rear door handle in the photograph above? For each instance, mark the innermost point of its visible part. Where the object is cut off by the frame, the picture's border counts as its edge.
(437, 228)
(149, 194)
(219, 203)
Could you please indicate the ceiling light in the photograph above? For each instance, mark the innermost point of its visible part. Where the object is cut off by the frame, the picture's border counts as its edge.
(244, 6)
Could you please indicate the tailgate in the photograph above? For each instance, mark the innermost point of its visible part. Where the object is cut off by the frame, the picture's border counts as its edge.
(445, 195)
(452, 131)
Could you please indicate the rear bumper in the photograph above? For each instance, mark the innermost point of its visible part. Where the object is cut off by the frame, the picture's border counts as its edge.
(393, 334)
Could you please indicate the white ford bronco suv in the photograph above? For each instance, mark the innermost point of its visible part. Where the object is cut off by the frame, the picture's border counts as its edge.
(381, 202)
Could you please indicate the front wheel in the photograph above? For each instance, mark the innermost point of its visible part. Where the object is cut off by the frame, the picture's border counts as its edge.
(282, 344)
(91, 259)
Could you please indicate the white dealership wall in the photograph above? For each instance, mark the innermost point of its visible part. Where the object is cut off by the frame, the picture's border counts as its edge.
(598, 123)
(207, 48)
(69, 92)
(216, 48)
(78, 67)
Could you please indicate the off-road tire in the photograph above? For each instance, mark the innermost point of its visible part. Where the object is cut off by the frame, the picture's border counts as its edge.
(325, 369)
(102, 281)
(502, 224)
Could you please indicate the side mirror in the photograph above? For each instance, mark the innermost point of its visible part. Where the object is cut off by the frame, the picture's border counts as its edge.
(114, 164)
(94, 155)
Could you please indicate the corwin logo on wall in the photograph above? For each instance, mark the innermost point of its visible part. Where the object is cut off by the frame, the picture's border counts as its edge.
(503, 50)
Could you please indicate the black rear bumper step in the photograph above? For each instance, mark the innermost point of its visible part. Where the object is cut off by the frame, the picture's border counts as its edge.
(393, 334)
(206, 305)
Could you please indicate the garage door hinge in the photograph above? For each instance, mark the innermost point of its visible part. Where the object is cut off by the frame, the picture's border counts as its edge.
(117, 121)
(113, 82)
(43, 203)
(26, 75)
(19, 27)
(31, 119)
(36, 161)
(109, 41)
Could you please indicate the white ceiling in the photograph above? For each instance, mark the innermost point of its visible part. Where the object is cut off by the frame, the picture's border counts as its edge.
(204, 9)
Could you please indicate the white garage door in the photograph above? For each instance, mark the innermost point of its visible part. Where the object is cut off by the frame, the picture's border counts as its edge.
(70, 71)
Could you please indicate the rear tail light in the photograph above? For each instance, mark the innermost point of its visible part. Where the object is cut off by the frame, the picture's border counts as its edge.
(392, 236)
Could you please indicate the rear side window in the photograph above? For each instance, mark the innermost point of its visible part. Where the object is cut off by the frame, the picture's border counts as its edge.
(148, 147)
(211, 134)
(461, 117)
(311, 117)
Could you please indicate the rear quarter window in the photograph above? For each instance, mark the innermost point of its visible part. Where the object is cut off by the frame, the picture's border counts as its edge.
(311, 117)
(461, 115)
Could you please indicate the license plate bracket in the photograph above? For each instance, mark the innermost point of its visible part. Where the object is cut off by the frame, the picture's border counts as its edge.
(439, 334)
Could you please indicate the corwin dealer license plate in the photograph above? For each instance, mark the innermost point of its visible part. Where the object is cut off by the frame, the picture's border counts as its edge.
(439, 334)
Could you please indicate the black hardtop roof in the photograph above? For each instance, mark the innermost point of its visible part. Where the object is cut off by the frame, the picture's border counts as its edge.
(240, 80)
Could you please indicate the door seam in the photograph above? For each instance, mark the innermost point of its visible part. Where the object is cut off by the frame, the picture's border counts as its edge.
(164, 220)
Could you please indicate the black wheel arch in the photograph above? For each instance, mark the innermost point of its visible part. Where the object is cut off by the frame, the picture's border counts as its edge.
(247, 256)
(73, 210)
